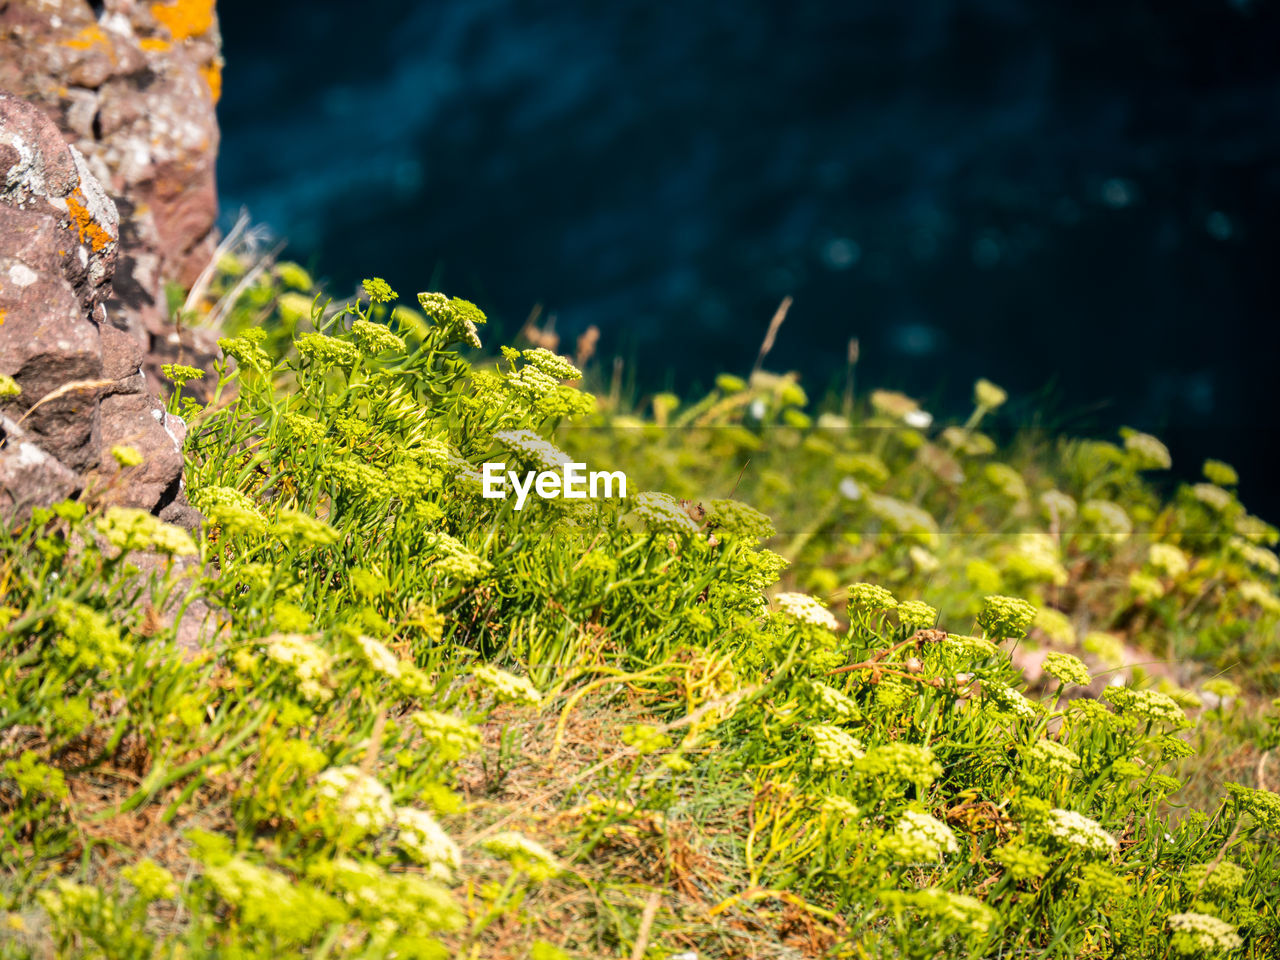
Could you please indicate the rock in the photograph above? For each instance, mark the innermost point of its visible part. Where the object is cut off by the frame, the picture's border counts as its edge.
(29, 476)
(133, 86)
(83, 391)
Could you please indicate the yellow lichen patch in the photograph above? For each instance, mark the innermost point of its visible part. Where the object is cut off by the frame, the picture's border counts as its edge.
(3, 315)
(212, 74)
(185, 18)
(88, 38)
(154, 44)
(91, 232)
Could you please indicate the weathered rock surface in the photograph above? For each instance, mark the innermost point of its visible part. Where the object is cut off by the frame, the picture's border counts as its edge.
(132, 85)
(83, 391)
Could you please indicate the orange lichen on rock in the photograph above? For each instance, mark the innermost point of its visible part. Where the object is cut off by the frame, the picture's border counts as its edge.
(154, 44)
(185, 18)
(88, 38)
(91, 232)
(212, 74)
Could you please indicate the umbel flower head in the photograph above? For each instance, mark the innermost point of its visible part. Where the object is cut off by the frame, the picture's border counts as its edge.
(1067, 669)
(807, 609)
(528, 444)
(662, 512)
(914, 614)
(524, 854)
(1004, 618)
(1077, 832)
(458, 318)
(1050, 758)
(308, 663)
(869, 597)
(987, 395)
(919, 837)
(379, 291)
(374, 338)
(418, 835)
(1145, 451)
(354, 799)
(1199, 935)
(507, 686)
(836, 748)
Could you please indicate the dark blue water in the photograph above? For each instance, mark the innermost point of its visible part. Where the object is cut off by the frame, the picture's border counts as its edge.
(1079, 200)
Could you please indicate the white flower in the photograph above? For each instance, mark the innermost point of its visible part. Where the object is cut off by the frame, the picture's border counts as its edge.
(920, 419)
(807, 609)
(422, 838)
(1079, 832)
(849, 489)
(356, 797)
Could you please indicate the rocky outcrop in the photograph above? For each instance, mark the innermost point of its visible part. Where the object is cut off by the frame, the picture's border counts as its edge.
(132, 85)
(72, 389)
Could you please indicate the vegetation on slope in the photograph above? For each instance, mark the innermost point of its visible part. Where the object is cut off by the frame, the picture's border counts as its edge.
(421, 723)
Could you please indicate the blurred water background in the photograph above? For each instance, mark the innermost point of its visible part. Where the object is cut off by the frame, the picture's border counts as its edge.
(1079, 200)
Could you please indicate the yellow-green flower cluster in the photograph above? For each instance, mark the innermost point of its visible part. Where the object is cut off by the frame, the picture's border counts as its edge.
(869, 597)
(735, 518)
(1052, 759)
(458, 318)
(379, 291)
(905, 517)
(303, 528)
(1149, 705)
(1005, 618)
(524, 853)
(381, 659)
(450, 736)
(231, 510)
(374, 338)
(1146, 452)
(919, 837)
(897, 761)
(914, 614)
(402, 909)
(662, 512)
(88, 637)
(1067, 669)
(1218, 881)
(552, 364)
(534, 448)
(126, 456)
(835, 748)
(1221, 474)
(1006, 480)
(326, 351)
(1168, 559)
(1213, 497)
(1198, 935)
(833, 702)
(987, 395)
(807, 609)
(9, 387)
(126, 528)
(426, 843)
(1022, 861)
(1079, 833)
(269, 901)
(152, 881)
(506, 686)
(354, 799)
(453, 559)
(1007, 700)
(307, 662)
(1107, 518)
(954, 912)
(180, 375)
